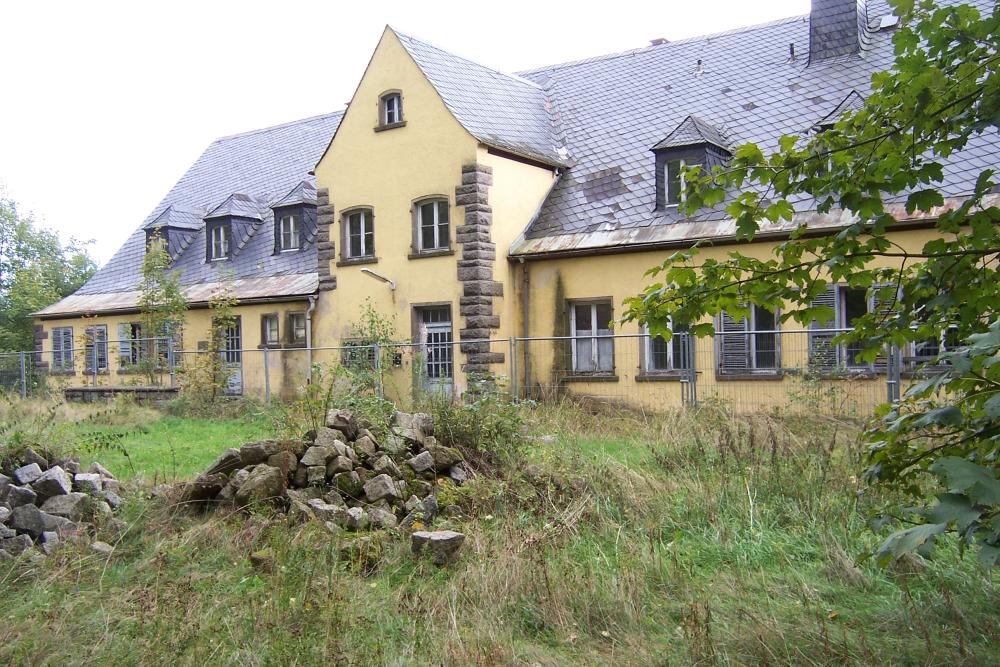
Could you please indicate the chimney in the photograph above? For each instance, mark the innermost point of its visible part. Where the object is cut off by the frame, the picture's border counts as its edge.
(658, 41)
(837, 28)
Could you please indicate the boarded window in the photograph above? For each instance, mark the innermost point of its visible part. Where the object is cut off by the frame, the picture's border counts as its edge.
(749, 344)
(62, 349)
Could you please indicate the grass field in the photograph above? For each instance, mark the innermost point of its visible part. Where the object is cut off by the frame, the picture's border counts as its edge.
(686, 539)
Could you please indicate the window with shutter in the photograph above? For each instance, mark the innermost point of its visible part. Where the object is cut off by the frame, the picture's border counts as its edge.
(748, 345)
(822, 352)
(62, 349)
(96, 348)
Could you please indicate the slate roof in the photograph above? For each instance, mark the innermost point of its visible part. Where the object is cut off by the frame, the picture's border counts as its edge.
(692, 130)
(613, 109)
(244, 174)
(501, 110)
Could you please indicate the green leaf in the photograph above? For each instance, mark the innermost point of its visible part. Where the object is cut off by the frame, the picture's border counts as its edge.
(992, 406)
(962, 475)
(947, 415)
(953, 508)
(907, 541)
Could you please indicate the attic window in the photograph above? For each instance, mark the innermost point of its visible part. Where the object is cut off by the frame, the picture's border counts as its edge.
(218, 241)
(288, 233)
(673, 178)
(390, 110)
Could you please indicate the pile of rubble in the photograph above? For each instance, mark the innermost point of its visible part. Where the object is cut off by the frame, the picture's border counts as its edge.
(43, 503)
(344, 477)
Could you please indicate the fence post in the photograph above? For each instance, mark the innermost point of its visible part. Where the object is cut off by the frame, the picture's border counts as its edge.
(24, 378)
(93, 356)
(378, 370)
(689, 381)
(171, 367)
(267, 375)
(893, 373)
(513, 368)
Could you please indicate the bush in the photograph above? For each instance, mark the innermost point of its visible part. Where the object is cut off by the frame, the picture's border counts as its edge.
(489, 430)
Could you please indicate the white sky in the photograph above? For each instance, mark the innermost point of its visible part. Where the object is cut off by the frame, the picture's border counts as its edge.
(105, 104)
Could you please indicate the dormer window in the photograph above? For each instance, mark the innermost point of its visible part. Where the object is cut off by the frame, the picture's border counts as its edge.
(693, 142)
(390, 110)
(218, 241)
(673, 178)
(289, 233)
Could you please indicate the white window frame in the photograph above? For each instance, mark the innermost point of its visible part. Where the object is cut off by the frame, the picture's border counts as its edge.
(96, 337)
(366, 218)
(594, 336)
(219, 239)
(666, 183)
(436, 224)
(392, 104)
(647, 351)
(289, 230)
(752, 331)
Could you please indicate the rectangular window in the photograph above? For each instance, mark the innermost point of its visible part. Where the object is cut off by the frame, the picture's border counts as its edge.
(219, 242)
(130, 344)
(288, 232)
(358, 355)
(848, 304)
(297, 328)
(663, 356)
(391, 109)
(96, 348)
(435, 337)
(748, 345)
(593, 342)
(432, 225)
(360, 234)
(232, 343)
(269, 330)
(673, 181)
(62, 349)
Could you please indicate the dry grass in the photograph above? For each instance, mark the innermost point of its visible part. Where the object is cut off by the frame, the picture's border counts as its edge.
(682, 539)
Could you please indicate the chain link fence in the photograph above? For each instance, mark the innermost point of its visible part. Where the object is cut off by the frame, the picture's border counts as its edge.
(746, 371)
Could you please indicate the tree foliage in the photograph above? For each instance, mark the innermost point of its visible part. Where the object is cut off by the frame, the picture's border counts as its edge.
(878, 164)
(36, 270)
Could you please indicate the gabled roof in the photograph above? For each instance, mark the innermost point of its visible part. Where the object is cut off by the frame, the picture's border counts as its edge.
(178, 217)
(852, 102)
(237, 205)
(692, 131)
(500, 110)
(264, 165)
(303, 193)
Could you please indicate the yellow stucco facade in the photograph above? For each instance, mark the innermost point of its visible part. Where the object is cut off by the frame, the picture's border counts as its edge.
(387, 169)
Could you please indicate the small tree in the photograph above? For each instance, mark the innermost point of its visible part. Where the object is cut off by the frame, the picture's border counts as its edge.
(206, 377)
(161, 302)
(942, 92)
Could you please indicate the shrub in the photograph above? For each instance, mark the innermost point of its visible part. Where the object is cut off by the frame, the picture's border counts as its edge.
(488, 430)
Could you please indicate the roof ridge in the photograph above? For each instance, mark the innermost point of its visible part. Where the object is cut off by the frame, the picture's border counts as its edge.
(279, 126)
(686, 40)
(509, 75)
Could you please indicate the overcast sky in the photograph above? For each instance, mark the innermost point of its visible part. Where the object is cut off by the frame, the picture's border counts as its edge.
(106, 104)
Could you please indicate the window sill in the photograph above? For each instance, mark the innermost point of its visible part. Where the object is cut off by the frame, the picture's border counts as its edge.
(140, 371)
(665, 376)
(295, 346)
(217, 259)
(423, 254)
(390, 126)
(765, 376)
(591, 378)
(287, 251)
(355, 261)
(67, 373)
(101, 371)
(843, 374)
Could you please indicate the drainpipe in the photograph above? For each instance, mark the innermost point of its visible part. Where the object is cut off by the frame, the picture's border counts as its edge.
(526, 331)
(309, 337)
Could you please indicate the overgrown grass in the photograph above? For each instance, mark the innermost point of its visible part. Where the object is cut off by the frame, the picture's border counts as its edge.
(684, 539)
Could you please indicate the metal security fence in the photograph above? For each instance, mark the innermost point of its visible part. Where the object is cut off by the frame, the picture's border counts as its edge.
(747, 370)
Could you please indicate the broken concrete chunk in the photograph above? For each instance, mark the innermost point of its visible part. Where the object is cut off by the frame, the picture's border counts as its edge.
(421, 462)
(380, 486)
(70, 506)
(343, 421)
(27, 474)
(53, 482)
(88, 482)
(443, 544)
